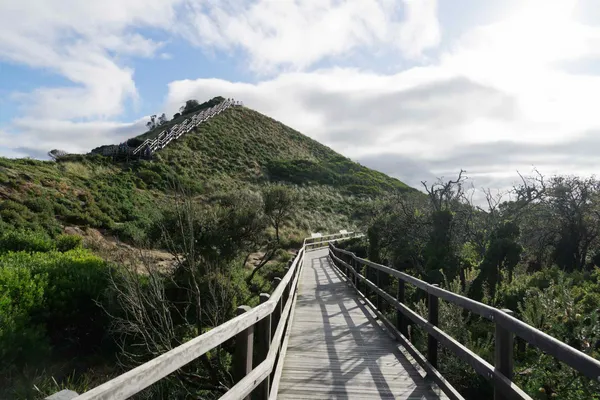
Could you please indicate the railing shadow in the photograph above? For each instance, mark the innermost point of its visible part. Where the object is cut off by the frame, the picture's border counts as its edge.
(349, 341)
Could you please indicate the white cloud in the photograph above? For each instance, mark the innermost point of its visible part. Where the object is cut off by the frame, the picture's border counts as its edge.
(75, 137)
(421, 30)
(299, 34)
(82, 42)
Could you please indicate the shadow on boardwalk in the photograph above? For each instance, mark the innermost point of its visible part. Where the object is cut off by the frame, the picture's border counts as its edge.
(337, 348)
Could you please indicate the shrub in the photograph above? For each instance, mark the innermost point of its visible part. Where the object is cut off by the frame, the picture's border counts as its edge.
(130, 232)
(68, 242)
(77, 280)
(357, 246)
(151, 178)
(66, 287)
(283, 255)
(39, 205)
(22, 295)
(29, 241)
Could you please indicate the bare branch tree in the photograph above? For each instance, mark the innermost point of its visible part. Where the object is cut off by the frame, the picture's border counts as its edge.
(443, 194)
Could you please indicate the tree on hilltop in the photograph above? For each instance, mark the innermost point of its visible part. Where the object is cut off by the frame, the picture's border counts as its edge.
(189, 106)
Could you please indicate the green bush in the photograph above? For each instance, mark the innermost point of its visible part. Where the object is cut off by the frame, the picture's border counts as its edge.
(29, 241)
(130, 232)
(22, 296)
(68, 242)
(54, 294)
(39, 205)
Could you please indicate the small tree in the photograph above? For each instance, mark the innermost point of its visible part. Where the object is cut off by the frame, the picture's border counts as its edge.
(279, 204)
(56, 154)
(189, 106)
(162, 119)
(152, 123)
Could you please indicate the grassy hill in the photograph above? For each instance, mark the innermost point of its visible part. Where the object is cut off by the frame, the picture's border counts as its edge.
(248, 146)
(238, 149)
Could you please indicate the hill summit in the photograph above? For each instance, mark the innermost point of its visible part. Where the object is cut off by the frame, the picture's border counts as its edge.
(239, 148)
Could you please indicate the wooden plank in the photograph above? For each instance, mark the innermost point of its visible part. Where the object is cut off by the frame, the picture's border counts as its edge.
(337, 348)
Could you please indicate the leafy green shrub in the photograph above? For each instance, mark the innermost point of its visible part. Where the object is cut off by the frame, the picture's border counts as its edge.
(80, 218)
(283, 255)
(151, 178)
(73, 283)
(68, 242)
(292, 240)
(78, 280)
(357, 246)
(130, 232)
(232, 291)
(29, 241)
(14, 213)
(39, 205)
(555, 311)
(22, 295)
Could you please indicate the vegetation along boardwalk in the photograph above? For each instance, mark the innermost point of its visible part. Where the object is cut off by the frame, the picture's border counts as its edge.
(324, 333)
(337, 348)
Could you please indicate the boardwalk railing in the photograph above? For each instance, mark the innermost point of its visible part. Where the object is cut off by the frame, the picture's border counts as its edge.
(149, 146)
(317, 242)
(506, 327)
(265, 326)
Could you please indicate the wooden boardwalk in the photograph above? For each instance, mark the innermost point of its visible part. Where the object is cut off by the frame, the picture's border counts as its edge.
(338, 350)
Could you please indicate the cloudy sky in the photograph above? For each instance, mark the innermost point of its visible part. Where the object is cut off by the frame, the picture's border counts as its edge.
(414, 88)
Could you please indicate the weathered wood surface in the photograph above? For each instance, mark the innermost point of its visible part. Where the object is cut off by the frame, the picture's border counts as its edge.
(338, 350)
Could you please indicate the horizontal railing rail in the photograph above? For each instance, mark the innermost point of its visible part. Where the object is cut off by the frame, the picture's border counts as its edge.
(325, 238)
(506, 327)
(324, 243)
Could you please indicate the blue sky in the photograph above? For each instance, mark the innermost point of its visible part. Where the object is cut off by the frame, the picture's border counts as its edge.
(415, 88)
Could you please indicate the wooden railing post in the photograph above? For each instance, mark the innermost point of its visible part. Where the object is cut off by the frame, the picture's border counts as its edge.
(401, 324)
(242, 360)
(432, 343)
(347, 271)
(378, 300)
(286, 292)
(356, 267)
(351, 276)
(366, 285)
(264, 342)
(278, 309)
(503, 362)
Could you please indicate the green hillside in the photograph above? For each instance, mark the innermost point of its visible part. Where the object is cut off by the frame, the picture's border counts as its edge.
(240, 148)
(248, 146)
